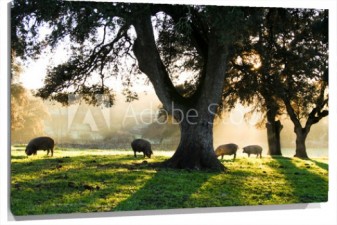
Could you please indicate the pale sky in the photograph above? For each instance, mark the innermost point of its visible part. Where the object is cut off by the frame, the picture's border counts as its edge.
(32, 77)
(34, 72)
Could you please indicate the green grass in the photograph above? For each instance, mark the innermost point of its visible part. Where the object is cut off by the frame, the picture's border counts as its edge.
(101, 180)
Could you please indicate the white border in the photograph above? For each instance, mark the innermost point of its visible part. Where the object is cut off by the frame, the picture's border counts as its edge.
(324, 213)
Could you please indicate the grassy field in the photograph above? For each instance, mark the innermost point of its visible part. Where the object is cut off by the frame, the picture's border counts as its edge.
(101, 180)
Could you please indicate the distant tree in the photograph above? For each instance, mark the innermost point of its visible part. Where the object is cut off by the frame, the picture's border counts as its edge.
(304, 80)
(27, 112)
(252, 72)
(28, 115)
(283, 68)
(153, 38)
(18, 103)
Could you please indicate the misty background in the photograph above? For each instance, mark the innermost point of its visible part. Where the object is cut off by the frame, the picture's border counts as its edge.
(89, 127)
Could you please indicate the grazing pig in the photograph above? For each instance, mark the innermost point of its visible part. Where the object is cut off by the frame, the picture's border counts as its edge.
(40, 143)
(253, 149)
(141, 145)
(228, 149)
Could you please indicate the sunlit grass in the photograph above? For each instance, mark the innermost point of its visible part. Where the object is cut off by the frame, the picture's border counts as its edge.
(77, 180)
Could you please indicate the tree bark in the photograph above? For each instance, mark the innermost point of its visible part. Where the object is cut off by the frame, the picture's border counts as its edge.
(301, 151)
(273, 133)
(314, 117)
(195, 150)
(301, 133)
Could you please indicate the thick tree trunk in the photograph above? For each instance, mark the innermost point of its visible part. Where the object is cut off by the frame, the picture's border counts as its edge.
(195, 150)
(273, 126)
(273, 133)
(301, 136)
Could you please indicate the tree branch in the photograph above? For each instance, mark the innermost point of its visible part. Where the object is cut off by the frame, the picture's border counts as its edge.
(213, 82)
(150, 63)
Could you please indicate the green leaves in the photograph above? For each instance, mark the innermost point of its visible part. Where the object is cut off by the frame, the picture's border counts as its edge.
(292, 60)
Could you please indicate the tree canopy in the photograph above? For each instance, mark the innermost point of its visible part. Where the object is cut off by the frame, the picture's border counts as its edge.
(102, 37)
(283, 69)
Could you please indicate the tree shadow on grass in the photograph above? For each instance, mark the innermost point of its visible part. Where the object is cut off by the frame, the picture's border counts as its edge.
(48, 163)
(322, 165)
(73, 189)
(112, 185)
(179, 189)
(105, 184)
(307, 185)
(121, 183)
(18, 157)
(167, 189)
(227, 160)
(118, 187)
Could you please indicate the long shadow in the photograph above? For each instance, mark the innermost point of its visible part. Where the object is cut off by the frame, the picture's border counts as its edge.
(62, 195)
(322, 165)
(70, 190)
(116, 184)
(178, 189)
(167, 189)
(124, 184)
(18, 157)
(49, 163)
(307, 186)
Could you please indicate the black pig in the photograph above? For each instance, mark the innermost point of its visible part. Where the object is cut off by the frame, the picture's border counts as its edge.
(253, 149)
(141, 145)
(228, 149)
(40, 143)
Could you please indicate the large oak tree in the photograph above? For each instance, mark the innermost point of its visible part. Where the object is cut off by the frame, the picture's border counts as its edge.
(153, 38)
